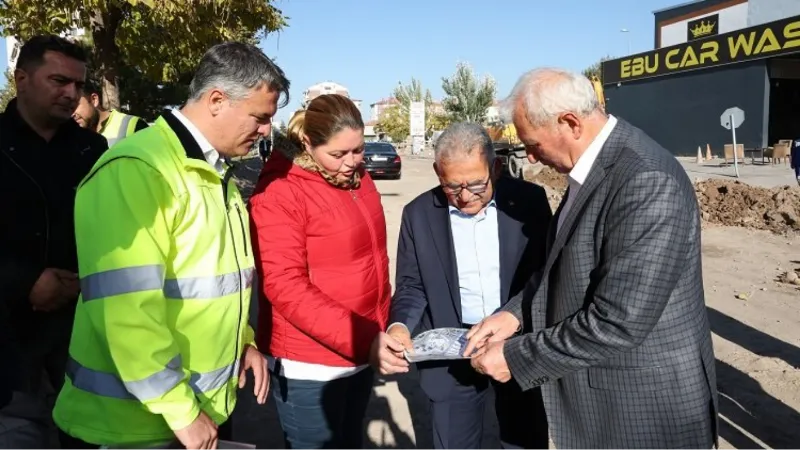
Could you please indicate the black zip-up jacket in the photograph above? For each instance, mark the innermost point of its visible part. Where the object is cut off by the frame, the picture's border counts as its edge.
(38, 181)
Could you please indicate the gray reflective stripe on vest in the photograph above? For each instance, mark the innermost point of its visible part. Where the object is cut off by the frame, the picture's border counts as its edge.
(122, 132)
(107, 384)
(208, 287)
(122, 281)
(148, 278)
(123, 128)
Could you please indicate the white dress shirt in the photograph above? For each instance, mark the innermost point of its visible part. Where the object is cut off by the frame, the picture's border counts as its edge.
(211, 154)
(579, 173)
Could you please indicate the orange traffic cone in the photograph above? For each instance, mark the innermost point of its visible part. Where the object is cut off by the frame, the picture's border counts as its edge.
(708, 152)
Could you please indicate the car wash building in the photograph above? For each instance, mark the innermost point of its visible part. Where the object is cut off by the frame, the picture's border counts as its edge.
(711, 55)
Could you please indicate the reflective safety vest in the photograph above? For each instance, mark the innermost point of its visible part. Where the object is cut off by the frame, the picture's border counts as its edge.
(166, 269)
(118, 126)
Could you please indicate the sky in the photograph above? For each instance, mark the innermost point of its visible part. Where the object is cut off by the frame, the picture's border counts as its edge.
(370, 45)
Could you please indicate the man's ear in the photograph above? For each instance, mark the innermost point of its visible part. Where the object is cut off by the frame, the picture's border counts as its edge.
(20, 79)
(95, 99)
(574, 123)
(215, 99)
(436, 169)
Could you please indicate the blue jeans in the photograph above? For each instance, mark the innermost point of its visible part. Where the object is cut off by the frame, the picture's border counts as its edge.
(323, 414)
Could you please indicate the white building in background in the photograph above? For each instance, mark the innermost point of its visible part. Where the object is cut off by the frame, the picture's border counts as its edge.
(377, 108)
(327, 87)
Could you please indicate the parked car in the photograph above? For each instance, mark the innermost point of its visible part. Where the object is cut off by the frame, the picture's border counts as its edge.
(381, 160)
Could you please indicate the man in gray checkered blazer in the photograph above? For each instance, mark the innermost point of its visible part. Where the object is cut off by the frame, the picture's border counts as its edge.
(616, 331)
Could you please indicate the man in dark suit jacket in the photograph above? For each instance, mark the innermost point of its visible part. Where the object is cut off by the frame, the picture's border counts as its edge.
(616, 334)
(465, 248)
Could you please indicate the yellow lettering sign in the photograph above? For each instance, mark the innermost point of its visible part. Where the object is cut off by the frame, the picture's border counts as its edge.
(768, 42)
(792, 34)
(668, 59)
(762, 41)
(637, 66)
(625, 69)
(644, 64)
(689, 58)
(742, 42)
(709, 52)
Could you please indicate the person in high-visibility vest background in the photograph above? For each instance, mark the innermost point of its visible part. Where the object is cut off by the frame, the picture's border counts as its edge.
(114, 125)
(161, 337)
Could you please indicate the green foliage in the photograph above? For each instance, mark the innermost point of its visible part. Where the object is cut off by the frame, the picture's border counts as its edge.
(162, 40)
(9, 91)
(394, 120)
(596, 69)
(466, 97)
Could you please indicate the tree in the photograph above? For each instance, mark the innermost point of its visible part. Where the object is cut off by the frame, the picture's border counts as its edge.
(9, 91)
(161, 39)
(466, 97)
(596, 69)
(394, 120)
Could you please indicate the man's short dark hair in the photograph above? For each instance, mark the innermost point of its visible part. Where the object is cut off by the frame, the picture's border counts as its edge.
(31, 55)
(92, 87)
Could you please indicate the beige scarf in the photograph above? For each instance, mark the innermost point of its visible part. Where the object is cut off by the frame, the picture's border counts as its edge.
(305, 161)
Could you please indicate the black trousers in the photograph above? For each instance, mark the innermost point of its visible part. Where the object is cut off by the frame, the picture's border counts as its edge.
(224, 432)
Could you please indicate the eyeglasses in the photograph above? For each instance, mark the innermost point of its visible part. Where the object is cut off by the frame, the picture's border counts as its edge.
(475, 189)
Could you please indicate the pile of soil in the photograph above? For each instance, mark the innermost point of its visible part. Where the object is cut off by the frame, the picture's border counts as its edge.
(722, 202)
(733, 203)
(554, 183)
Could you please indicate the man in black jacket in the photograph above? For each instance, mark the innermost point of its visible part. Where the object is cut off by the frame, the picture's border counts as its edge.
(44, 154)
(465, 248)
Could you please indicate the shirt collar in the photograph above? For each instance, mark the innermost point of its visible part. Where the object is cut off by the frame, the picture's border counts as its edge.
(584, 164)
(453, 210)
(211, 154)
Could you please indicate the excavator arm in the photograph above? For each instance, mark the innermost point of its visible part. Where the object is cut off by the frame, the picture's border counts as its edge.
(598, 90)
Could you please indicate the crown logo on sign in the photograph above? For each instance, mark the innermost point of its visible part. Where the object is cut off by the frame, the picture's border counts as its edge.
(702, 29)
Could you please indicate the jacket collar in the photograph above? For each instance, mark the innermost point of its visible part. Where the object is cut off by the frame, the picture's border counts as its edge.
(22, 129)
(189, 144)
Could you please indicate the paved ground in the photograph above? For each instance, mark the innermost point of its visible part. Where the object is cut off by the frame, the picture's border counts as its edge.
(757, 341)
(758, 174)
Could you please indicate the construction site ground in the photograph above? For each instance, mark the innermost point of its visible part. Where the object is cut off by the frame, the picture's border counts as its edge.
(754, 309)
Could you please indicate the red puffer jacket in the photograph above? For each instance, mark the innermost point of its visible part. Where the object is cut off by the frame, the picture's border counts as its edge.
(322, 261)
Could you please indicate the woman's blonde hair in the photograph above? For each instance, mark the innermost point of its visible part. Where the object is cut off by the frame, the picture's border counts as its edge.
(324, 116)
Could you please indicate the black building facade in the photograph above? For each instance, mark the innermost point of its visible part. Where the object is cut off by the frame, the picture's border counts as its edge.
(682, 111)
(677, 94)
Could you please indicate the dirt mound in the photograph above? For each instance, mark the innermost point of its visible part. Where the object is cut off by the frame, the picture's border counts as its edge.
(722, 202)
(554, 183)
(733, 203)
(548, 177)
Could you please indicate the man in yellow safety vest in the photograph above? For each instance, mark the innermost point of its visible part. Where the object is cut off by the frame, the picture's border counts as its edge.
(114, 125)
(161, 337)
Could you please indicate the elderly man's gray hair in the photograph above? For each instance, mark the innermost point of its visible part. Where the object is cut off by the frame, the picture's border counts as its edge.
(236, 69)
(547, 92)
(462, 139)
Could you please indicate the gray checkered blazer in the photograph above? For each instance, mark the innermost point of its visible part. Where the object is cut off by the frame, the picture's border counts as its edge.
(616, 333)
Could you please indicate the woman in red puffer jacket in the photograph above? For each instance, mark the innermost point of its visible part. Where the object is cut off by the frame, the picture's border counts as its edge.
(319, 235)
